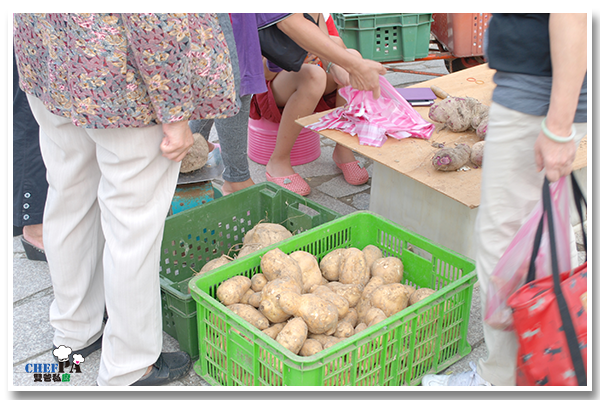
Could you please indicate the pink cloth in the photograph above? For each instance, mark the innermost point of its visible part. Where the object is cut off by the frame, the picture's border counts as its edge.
(372, 120)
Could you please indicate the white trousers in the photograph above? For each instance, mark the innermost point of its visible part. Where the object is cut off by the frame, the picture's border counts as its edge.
(510, 189)
(109, 194)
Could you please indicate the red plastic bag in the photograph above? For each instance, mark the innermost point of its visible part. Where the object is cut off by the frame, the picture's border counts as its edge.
(511, 270)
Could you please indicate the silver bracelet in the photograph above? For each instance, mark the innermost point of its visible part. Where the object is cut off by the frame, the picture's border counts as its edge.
(556, 138)
(328, 67)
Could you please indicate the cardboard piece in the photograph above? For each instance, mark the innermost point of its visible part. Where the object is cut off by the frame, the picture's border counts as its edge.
(412, 157)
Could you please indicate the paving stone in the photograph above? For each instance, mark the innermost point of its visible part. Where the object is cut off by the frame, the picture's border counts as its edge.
(361, 201)
(32, 333)
(29, 277)
(338, 187)
(330, 202)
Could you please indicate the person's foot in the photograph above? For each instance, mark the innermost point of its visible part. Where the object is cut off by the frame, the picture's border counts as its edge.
(86, 351)
(354, 171)
(168, 368)
(232, 187)
(34, 234)
(468, 378)
(342, 155)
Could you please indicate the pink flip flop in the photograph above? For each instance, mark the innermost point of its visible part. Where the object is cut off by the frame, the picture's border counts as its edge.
(354, 172)
(294, 182)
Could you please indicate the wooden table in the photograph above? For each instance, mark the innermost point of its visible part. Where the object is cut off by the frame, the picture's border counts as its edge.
(405, 187)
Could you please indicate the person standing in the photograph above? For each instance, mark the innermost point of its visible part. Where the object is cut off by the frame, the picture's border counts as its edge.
(113, 94)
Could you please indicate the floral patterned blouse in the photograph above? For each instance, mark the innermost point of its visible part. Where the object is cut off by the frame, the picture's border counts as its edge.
(126, 70)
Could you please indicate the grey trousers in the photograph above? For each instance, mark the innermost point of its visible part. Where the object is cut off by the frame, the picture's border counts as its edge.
(233, 139)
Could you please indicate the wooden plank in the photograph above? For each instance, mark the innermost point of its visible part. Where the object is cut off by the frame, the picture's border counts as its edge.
(412, 157)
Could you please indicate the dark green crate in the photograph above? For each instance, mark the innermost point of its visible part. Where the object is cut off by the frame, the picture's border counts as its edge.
(200, 234)
(424, 338)
(386, 37)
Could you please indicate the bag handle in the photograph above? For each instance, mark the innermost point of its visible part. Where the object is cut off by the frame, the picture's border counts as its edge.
(563, 308)
(579, 199)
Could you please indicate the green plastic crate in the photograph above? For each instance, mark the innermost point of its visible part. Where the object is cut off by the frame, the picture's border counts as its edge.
(426, 337)
(386, 37)
(197, 235)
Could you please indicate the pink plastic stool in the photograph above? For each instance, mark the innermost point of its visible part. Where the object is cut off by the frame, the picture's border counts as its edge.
(262, 135)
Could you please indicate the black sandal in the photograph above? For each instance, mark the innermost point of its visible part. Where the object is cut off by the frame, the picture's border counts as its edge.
(32, 251)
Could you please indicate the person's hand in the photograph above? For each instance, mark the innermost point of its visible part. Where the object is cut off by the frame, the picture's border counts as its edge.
(556, 158)
(177, 141)
(365, 76)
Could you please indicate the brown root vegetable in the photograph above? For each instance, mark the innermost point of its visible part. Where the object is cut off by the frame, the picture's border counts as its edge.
(481, 130)
(374, 316)
(293, 335)
(391, 298)
(351, 317)
(411, 290)
(309, 267)
(258, 282)
(372, 253)
(448, 159)
(269, 304)
(340, 303)
(457, 113)
(419, 295)
(360, 327)
(250, 314)
(266, 234)
(320, 316)
(214, 264)
(255, 299)
(364, 304)
(276, 264)
(351, 292)
(353, 268)
(274, 330)
(330, 264)
(233, 289)
(247, 296)
(390, 269)
(344, 330)
(310, 347)
(197, 155)
(477, 153)
(332, 342)
(249, 248)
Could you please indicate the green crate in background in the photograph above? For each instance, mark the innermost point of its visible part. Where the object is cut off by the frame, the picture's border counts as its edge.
(386, 37)
(426, 337)
(200, 234)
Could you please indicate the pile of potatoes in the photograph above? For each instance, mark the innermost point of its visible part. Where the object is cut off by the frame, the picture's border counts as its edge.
(307, 306)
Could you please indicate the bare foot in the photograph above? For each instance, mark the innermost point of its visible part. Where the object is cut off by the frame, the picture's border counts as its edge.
(34, 235)
(279, 168)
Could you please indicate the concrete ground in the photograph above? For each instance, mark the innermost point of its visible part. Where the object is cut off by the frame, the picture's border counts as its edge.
(33, 294)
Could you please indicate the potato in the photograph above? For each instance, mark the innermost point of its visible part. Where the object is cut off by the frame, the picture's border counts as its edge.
(276, 264)
(231, 291)
(320, 316)
(332, 342)
(391, 298)
(449, 159)
(250, 314)
(477, 153)
(351, 317)
(214, 264)
(344, 330)
(310, 347)
(266, 234)
(372, 253)
(411, 290)
(364, 304)
(353, 268)
(481, 130)
(419, 295)
(293, 335)
(390, 269)
(258, 282)
(255, 299)
(330, 264)
(274, 330)
(374, 316)
(360, 327)
(328, 295)
(196, 156)
(309, 266)
(269, 304)
(351, 292)
(458, 113)
(249, 248)
(246, 296)
(325, 340)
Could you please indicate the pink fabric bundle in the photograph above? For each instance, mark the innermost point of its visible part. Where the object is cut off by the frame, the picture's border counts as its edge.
(373, 119)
